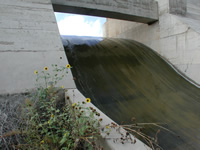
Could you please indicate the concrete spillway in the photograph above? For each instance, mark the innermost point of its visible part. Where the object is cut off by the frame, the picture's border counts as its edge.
(125, 79)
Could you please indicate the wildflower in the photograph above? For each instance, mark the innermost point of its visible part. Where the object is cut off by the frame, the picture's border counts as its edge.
(62, 86)
(68, 66)
(66, 134)
(42, 142)
(107, 127)
(36, 72)
(98, 114)
(52, 115)
(45, 68)
(74, 104)
(88, 100)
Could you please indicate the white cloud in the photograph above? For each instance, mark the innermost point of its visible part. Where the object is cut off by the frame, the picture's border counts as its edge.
(78, 25)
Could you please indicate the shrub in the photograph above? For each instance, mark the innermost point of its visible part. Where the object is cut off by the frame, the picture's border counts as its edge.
(53, 124)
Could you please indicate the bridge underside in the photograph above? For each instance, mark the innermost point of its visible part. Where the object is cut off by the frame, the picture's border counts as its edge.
(145, 11)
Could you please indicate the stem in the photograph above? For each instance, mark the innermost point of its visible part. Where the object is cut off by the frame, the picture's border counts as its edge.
(45, 81)
(145, 137)
(10, 134)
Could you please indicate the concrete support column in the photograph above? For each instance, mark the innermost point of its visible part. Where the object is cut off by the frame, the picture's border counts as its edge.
(29, 40)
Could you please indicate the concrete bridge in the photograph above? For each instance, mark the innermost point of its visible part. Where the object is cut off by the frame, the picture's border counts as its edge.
(29, 36)
(30, 40)
(143, 11)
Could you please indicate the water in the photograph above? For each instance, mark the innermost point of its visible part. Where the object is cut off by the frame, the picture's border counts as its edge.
(125, 79)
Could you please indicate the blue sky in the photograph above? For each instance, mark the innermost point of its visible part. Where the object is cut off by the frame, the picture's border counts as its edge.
(81, 25)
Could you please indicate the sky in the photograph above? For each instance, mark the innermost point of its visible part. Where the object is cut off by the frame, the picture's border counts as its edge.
(79, 25)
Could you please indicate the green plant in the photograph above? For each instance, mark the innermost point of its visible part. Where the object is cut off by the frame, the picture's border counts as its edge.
(53, 124)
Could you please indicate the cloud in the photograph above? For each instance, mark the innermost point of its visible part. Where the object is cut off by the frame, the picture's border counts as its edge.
(79, 25)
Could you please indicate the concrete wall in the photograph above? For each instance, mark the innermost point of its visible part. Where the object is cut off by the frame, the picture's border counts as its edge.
(145, 11)
(176, 38)
(178, 7)
(193, 9)
(29, 40)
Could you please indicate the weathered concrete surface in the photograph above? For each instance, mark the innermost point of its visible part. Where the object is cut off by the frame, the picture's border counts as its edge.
(187, 8)
(178, 7)
(145, 11)
(192, 23)
(175, 37)
(193, 9)
(29, 40)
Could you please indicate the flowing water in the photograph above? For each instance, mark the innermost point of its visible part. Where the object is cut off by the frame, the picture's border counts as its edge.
(124, 78)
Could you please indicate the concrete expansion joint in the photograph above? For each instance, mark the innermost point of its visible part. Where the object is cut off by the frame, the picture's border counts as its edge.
(185, 32)
(6, 43)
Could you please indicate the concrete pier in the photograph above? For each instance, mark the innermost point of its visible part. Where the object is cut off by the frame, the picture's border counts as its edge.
(29, 40)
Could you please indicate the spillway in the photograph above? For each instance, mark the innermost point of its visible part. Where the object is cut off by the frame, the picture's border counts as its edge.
(124, 78)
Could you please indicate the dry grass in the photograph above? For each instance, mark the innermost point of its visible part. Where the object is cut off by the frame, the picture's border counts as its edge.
(10, 108)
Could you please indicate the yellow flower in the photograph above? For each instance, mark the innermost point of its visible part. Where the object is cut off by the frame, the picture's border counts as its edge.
(68, 66)
(36, 72)
(107, 127)
(66, 133)
(74, 104)
(45, 68)
(52, 115)
(42, 142)
(48, 122)
(62, 86)
(88, 100)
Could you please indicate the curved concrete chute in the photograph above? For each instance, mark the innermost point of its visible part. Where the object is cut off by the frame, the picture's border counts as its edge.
(125, 78)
